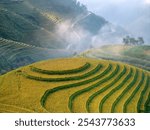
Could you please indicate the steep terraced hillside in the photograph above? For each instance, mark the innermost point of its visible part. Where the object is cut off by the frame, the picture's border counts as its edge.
(75, 85)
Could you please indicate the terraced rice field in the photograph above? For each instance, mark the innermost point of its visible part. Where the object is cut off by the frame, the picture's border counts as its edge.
(76, 85)
(52, 17)
(15, 54)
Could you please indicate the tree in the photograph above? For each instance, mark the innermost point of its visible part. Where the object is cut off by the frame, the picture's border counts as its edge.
(133, 41)
(140, 40)
(126, 40)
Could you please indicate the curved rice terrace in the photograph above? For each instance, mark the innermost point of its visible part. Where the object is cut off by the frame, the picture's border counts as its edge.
(76, 85)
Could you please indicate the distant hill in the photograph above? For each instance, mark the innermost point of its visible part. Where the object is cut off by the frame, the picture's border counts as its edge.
(135, 55)
(91, 23)
(23, 23)
(36, 22)
(67, 9)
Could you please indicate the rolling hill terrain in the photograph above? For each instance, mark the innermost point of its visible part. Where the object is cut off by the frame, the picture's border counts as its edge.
(75, 85)
(135, 55)
(16, 54)
(23, 23)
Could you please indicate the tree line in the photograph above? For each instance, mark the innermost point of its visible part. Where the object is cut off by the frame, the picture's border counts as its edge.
(132, 41)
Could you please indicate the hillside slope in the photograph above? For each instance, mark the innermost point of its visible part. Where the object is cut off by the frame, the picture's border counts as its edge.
(38, 22)
(135, 55)
(22, 23)
(15, 54)
(75, 85)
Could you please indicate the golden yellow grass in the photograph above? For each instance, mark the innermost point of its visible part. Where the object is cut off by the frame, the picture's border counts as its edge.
(84, 97)
(61, 64)
(120, 105)
(60, 99)
(94, 106)
(147, 52)
(12, 108)
(145, 97)
(60, 67)
(20, 94)
(132, 106)
(27, 93)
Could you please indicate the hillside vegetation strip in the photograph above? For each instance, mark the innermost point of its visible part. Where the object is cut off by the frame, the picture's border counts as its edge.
(134, 55)
(105, 88)
(78, 93)
(135, 95)
(141, 100)
(114, 90)
(124, 92)
(147, 105)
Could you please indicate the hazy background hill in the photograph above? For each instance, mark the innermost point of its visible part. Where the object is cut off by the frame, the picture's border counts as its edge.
(138, 56)
(54, 25)
(33, 30)
(40, 22)
(24, 23)
(132, 15)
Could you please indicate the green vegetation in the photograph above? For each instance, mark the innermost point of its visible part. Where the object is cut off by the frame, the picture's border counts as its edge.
(104, 89)
(142, 97)
(124, 91)
(147, 105)
(132, 41)
(138, 56)
(138, 52)
(78, 93)
(114, 90)
(133, 94)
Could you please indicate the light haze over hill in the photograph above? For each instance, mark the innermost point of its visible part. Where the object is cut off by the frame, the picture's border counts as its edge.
(129, 14)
